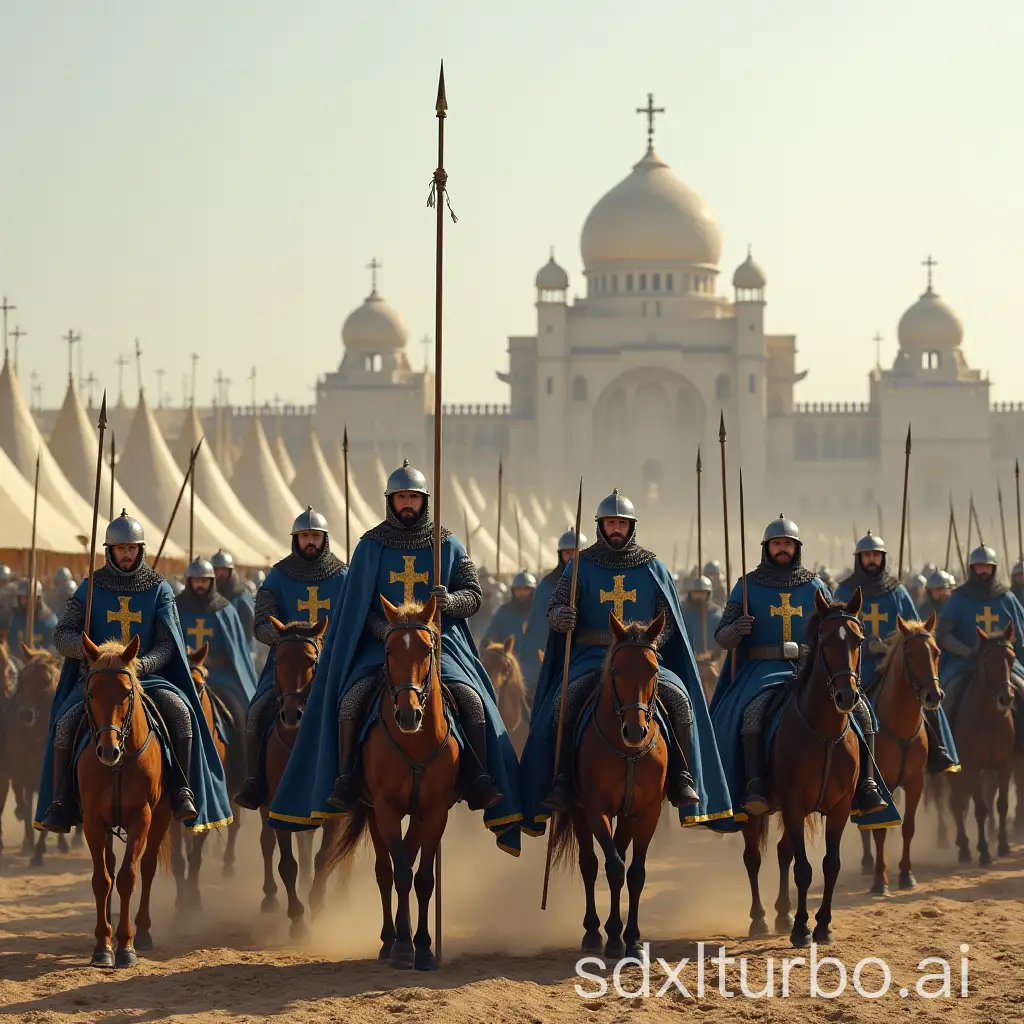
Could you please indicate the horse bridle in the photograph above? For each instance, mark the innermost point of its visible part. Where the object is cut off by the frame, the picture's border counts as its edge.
(422, 692)
(980, 658)
(917, 685)
(95, 731)
(303, 694)
(618, 707)
(830, 676)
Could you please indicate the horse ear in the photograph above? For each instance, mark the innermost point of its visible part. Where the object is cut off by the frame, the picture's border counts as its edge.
(618, 630)
(27, 651)
(92, 652)
(199, 656)
(655, 628)
(982, 635)
(930, 622)
(131, 651)
(510, 643)
(540, 656)
(901, 624)
(853, 606)
(1008, 632)
(819, 601)
(319, 629)
(390, 611)
(279, 626)
(429, 612)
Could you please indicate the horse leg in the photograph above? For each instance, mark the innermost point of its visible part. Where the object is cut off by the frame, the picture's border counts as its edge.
(318, 890)
(794, 823)
(125, 956)
(958, 808)
(228, 866)
(78, 838)
(385, 874)
(592, 942)
(868, 861)
(21, 810)
(195, 864)
(835, 825)
(912, 789)
(615, 871)
(267, 843)
(158, 827)
(288, 869)
(36, 860)
(1018, 778)
(783, 907)
(937, 785)
(433, 830)
(643, 832)
(178, 866)
(62, 843)
(980, 819)
(389, 821)
(96, 837)
(304, 841)
(1003, 807)
(880, 886)
(752, 831)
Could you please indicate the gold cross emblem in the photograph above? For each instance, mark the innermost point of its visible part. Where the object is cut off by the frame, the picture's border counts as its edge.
(409, 578)
(988, 620)
(199, 633)
(787, 611)
(313, 604)
(874, 618)
(618, 596)
(125, 617)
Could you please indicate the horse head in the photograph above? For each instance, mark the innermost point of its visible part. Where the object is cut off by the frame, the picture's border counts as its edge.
(920, 659)
(631, 675)
(501, 665)
(110, 686)
(36, 685)
(197, 666)
(296, 656)
(994, 656)
(412, 653)
(838, 640)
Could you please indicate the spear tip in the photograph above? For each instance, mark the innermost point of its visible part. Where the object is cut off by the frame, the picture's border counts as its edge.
(344, 438)
(721, 426)
(908, 439)
(441, 105)
(699, 464)
(102, 424)
(1016, 468)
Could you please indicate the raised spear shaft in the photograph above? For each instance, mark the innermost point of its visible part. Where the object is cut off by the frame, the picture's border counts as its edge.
(700, 556)
(348, 527)
(181, 494)
(101, 426)
(30, 611)
(903, 517)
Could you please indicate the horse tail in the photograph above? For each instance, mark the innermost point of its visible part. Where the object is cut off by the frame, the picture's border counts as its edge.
(814, 826)
(348, 838)
(564, 845)
(163, 853)
(763, 821)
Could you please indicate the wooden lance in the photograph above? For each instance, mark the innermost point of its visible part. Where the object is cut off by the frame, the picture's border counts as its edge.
(102, 426)
(181, 494)
(903, 516)
(565, 687)
(956, 538)
(700, 556)
(1002, 529)
(743, 547)
(949, 538)
(113, 459)
(725, 518)
(348, 516)
(30, 609)
(1020, 541)
(519, 542)
(497, 555)
(191, 510)
(973, 511)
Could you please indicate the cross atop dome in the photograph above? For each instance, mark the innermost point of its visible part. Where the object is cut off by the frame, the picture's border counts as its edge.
(373, 266)
(650, 110)
(929, 263)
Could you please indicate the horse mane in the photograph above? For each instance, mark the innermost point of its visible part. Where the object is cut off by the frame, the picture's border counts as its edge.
(410, 610)
(896, 641)
(636, 633)
(300, 627)
(111, 649)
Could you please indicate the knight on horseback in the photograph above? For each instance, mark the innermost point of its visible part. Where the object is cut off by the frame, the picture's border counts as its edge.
(207, 616)
(395, 560)
(767, 647)
(938, 588)
(985, 603)
(885, 598)
(616, 573)
(232, 586)
(43, 624)
(305, 586)
(131, 600)
(700, 616)
(513, 619)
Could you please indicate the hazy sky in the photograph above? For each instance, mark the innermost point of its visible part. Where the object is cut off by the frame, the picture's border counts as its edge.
(214, 176)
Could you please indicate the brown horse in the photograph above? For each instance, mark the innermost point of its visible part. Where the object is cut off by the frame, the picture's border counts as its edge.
(908, 682)
(6, 691)
(502, 667)
(27, 711)
(121, 783)
(814, 764)
(296, 656)
(188, 884)
(709, 668)
(621, 771)
(410, 767)
(984, 734)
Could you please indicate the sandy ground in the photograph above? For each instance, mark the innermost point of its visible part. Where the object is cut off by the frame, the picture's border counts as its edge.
(505, 960)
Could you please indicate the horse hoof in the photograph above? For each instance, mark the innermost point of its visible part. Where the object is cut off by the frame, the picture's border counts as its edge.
(800, 937)
(907, 880)
(635, 949)
(385, 951)
(823, 935)
(270, 905)
(425, 960)
(965, 857)
(592, 944)
(77, 840)
(125, 958)
(62, 844)
(36, 861)
(102, 957)
(783, 924)
(880, 888)
(614, 949)
(27, 848)
(143, 942)
(1003, 849)
(299, 930)
(758, 926)
(867, 866)
(984, 858)
(403, 956)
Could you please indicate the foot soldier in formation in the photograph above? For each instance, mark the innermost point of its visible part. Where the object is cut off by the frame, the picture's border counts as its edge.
(395, 560)
(207, 617)
(767, 645)
(982, 603)
(617, 574)
(884, 597)
(303, 587)
(231, 586)
(130, 599)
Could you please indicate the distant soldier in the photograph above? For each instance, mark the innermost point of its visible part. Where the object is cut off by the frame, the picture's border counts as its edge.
(916, 584)
(713, 571)
(700, 618)
(513, 617)
(231, 586)
(60, 590)
(43, 625)
(938, 587)
(1017, 581)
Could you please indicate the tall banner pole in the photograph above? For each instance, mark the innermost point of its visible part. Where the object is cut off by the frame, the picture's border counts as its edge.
(949, 537)
(101, 426)
(956, 539)
(743, 547)
(30, 610)
(725, 519)
(113, 460)
(519, 542)
(565, 688)
(348, 515)
(497, 555)
(903, 517)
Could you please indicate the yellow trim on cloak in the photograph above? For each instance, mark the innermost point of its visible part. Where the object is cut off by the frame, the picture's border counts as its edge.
(700, 819)
(293, 818)
(210, 825)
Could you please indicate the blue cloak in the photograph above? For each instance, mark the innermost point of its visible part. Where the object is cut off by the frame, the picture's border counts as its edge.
(350, 653)
(229, 662)
(120, 617)
(533, 642)
(42, 630)
(508, 621)
(695, 629)
(968, 614)
(299, 601)
(245, 604)
(649, 582)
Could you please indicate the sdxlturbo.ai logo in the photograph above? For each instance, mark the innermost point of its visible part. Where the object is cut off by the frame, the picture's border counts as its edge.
(818, 977)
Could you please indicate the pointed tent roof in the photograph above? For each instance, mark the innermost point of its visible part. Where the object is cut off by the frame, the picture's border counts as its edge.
(361, 509)
(258, 483)
(475, 495)
(212, 486)
(317, 487)
(148, 467)
(528, 532)
(21, 439)
(73, 444)
(284, 461)
(482, 543)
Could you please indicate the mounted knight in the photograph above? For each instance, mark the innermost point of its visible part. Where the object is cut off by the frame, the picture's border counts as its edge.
(231, 586)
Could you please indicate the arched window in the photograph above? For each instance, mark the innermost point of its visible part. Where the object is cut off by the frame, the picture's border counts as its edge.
(643, 283)
(722, 386)
(629, 282)
(930, 360)
(656, 282)
(669, 285)
(579, 389)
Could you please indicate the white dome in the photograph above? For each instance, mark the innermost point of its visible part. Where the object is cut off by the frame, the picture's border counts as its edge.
(930, 325)
(551, 277)
(749, 275)
(375, 326)
(650, 217)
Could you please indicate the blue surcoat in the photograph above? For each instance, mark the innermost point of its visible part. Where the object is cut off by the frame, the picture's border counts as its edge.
(878, 617)
(695, 629)
(229, 662)
(968, 614)
(42, 630)
(531, 648)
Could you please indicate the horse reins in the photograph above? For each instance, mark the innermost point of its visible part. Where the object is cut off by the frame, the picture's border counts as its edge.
(303, 694)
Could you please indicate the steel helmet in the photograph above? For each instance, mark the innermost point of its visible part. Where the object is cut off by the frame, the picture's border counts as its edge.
(615, 505)
(124, 530)
(567, 542)
(1018, 568)
(939, 579)
(200, 569)
(524, 579)
(781, 527)
(5, 573)
(405, 478)
(258, 577)
(983, 555)
(698, 584)
(712, 568)
(62, 574)
(869, 542)
(309, 520)
(222, 560)
(915, 579)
